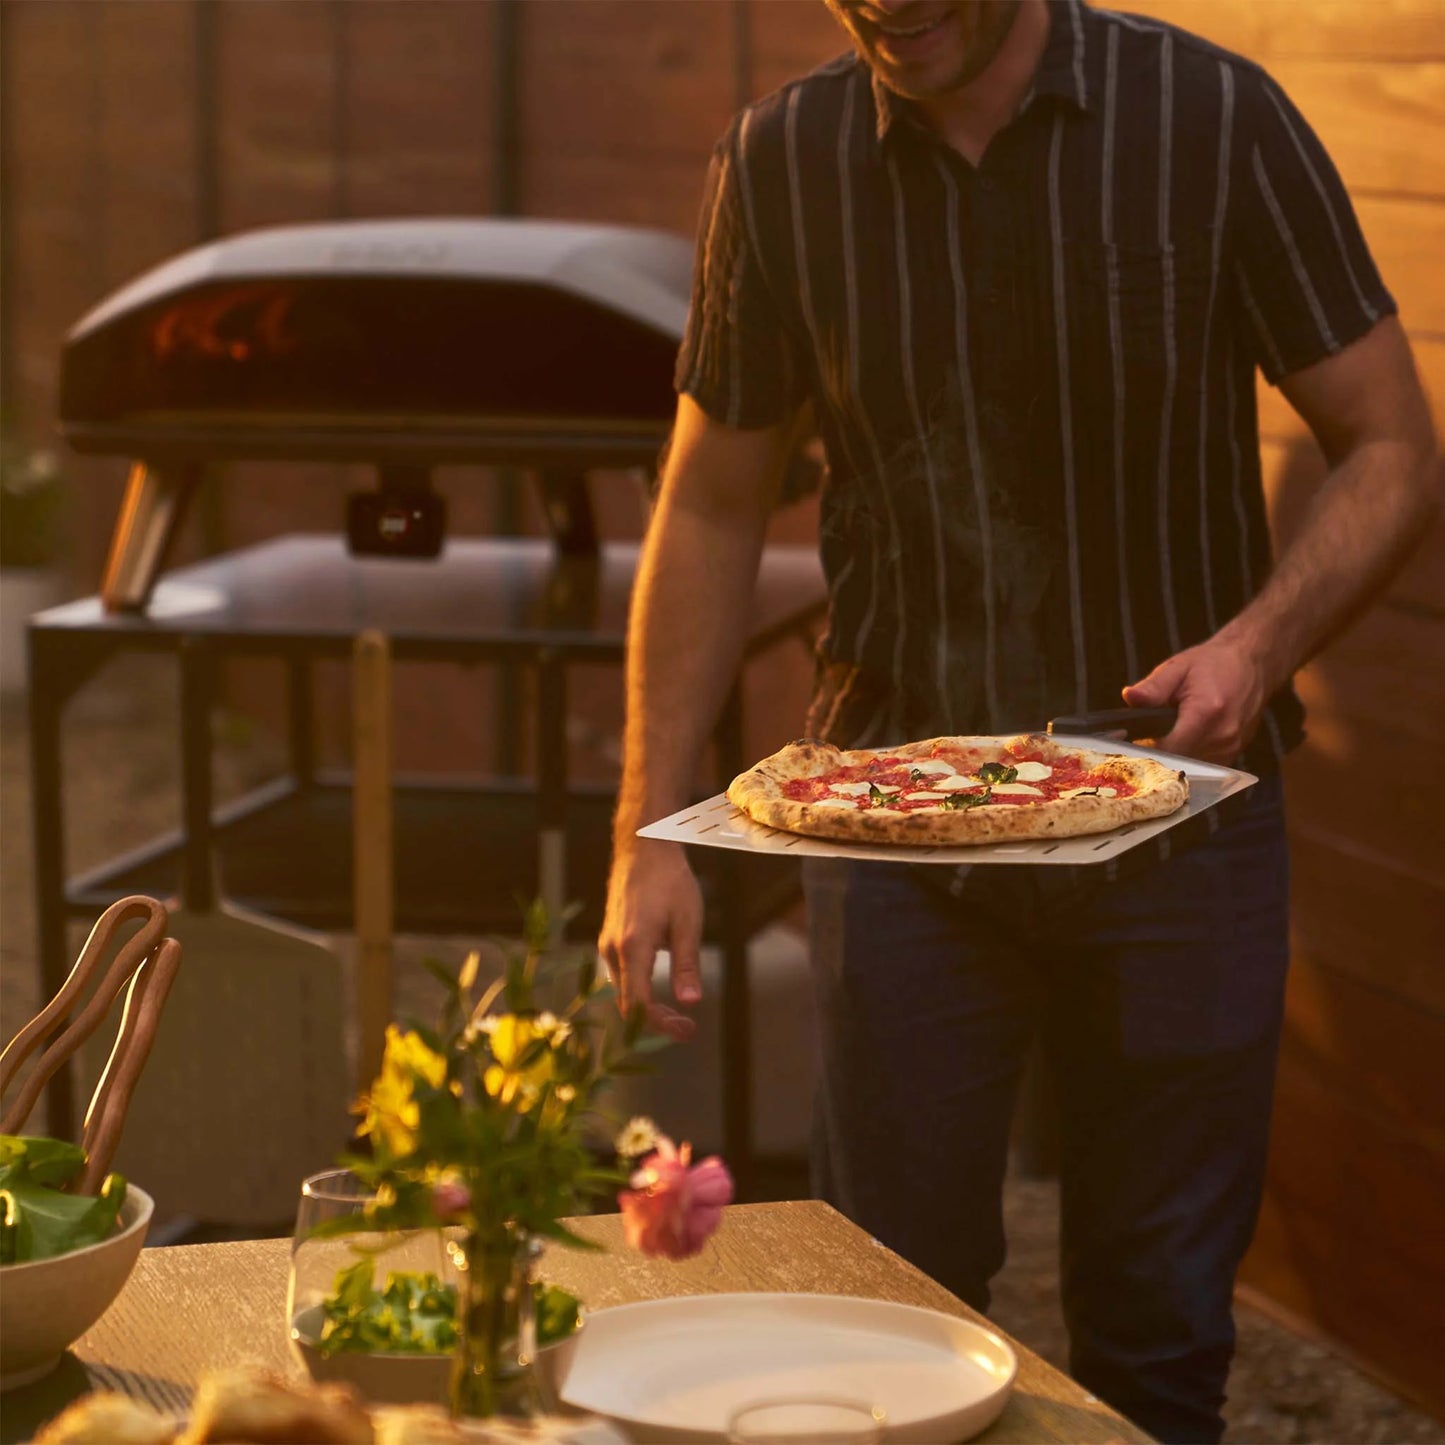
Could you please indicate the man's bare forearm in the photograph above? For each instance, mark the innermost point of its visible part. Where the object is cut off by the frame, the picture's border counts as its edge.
(1370, 512)
(690, 610)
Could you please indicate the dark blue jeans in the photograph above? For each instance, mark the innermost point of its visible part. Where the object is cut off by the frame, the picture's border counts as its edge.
(1158, 998)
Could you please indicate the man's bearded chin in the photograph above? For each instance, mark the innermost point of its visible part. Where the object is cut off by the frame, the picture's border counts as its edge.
(969, 34)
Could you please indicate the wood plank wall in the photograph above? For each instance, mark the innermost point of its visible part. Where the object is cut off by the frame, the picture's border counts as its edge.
(133, 130)
(1350, 1242)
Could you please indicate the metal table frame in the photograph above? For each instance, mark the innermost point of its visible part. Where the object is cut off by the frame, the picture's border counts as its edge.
(67, 645)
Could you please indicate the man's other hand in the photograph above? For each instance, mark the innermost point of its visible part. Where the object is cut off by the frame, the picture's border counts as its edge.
(653, 902)
(1220, 693)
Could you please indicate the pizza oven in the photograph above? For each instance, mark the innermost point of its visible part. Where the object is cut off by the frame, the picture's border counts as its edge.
(404, 343)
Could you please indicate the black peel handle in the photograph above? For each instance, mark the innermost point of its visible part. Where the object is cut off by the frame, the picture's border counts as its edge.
(1126, 722)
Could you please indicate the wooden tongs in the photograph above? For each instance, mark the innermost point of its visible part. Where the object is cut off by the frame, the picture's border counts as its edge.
(148, 961)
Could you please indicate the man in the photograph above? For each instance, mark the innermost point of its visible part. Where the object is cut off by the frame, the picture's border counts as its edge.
(1023, 257)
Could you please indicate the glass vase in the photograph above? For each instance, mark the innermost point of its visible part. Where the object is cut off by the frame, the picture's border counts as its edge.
(493, 1369)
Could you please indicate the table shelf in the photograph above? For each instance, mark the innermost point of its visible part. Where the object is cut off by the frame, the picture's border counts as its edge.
(463, 852)
(284, 850)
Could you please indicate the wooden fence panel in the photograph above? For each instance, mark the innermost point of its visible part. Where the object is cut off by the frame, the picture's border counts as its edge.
(277, 75)
(1384, 125)
(788, 39)
(56, 262)
(1406, 235)
(1375, 30)
(145, 137)
(1335, 1168)
(1375, 1044)
(621, 103)
(420, 96)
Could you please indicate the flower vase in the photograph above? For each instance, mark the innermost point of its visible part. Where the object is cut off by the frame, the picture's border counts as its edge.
(492, 1370)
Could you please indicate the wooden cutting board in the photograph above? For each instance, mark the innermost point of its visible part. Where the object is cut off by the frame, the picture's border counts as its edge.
(248, 1085)
(246, 1089)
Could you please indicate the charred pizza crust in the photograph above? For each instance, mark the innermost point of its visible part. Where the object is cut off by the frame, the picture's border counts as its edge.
(761, 793)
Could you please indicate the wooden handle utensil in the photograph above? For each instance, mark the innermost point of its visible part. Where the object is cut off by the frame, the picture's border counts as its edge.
(147, 962)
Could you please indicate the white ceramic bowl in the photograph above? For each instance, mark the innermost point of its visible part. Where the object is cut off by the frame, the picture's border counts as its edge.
(412, 1379)
(47, 1304)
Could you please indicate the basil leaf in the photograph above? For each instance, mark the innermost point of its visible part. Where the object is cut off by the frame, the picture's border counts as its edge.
(915, 775)
(962, 802)
(877, 798)
(997, 773)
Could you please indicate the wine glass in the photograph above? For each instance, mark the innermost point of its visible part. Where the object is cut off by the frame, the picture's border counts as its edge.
(316, 1263)
(805, 1420)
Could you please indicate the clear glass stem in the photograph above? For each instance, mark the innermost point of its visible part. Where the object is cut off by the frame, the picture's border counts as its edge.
(492, 1372)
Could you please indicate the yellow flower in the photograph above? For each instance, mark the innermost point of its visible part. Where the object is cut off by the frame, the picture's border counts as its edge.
(390, 1110)
(504, 1081)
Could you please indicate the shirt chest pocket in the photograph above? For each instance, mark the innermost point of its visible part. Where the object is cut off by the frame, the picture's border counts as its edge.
(1149, 302)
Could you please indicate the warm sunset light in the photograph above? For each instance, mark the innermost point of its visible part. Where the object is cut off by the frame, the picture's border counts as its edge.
(716, 720)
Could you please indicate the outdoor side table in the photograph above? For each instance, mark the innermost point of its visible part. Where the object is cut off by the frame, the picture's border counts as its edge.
(462, 849)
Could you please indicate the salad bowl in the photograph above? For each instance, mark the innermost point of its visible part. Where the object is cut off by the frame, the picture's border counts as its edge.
(47, 1304)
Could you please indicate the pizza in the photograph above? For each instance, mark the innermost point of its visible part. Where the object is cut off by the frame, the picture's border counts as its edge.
(955, 790)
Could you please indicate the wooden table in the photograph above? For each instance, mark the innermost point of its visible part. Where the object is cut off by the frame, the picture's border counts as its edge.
(196, 1307)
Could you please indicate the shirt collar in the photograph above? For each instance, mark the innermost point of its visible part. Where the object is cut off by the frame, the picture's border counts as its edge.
(1062, 69)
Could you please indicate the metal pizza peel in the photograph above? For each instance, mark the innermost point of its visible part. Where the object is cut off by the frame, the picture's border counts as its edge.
(717, 823)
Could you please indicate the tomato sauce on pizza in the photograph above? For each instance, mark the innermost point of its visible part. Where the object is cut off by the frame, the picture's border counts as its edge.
(942, 782)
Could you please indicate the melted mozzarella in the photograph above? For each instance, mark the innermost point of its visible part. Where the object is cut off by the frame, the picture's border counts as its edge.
(1018, 788)
(933, 765)
(853, 789)
(927, 795)
(835, 803)
(1032, 772)
(1077, 792)
(957, 783)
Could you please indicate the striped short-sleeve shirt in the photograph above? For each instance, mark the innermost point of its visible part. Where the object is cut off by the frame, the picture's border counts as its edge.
(1034, 378)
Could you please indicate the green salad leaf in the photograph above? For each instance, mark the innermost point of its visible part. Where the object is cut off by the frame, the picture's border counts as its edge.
(415, 1314)
(37, 1219)
(558, 1314)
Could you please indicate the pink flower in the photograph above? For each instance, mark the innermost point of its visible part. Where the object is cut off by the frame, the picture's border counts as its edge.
(449, 1198)
(673, 1204)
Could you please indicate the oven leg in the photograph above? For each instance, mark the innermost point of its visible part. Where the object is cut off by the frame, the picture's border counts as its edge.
(300, 716)
(57, 670)
(150, 512)
(552, 786)
(198, 871)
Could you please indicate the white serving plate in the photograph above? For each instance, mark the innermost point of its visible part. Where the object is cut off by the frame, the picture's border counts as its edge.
(676, 1369)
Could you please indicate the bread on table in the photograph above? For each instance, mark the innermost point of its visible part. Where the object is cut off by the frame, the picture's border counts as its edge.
(246, 1405)
(108, 1419)
(416, 1425)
